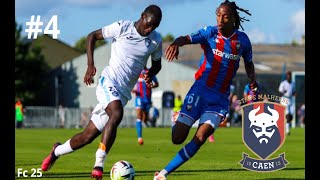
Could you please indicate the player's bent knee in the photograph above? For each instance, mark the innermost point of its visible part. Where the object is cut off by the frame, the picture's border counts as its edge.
(180, 132)
(178, 139)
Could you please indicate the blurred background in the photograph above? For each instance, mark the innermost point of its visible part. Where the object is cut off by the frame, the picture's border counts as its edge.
(49, 71)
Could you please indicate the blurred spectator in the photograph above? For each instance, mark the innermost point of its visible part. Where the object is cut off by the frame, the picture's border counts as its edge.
(177, 104)
(61, 112)
(176, 109)
(19, 113)
(85, 117)
(301, 115)
(235, 111)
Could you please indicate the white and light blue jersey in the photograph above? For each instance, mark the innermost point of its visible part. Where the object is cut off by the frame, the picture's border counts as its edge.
(129, 54)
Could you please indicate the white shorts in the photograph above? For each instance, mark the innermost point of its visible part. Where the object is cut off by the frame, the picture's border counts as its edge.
(290, 109)
(106, 92)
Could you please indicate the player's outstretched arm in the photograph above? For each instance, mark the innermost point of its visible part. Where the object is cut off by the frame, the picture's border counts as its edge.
(172, 50)
(154, 70)
(249, 66)
(91, 69)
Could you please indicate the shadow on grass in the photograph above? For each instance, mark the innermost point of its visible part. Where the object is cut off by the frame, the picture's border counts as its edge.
(74, 175)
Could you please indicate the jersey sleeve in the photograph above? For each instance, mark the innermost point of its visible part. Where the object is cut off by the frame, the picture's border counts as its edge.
(157, 54)
(112, 30)
(247, 52)
(201, 36)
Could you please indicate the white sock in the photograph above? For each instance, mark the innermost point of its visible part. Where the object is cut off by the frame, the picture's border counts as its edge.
(163, 172)
(100, 158)
(63, 149)
(287, 127)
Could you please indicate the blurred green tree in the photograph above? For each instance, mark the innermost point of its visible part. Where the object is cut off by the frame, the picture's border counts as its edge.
(168, 38)
(81, 44)
(30, 69)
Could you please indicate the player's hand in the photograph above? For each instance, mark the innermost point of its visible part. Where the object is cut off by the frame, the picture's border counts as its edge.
(172, 51)
(253, 86)
(88, 77)
(148, 79)
(150, 85)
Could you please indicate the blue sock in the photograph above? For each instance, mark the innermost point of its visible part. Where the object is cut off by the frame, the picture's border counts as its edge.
(139, 128)
(182, 156)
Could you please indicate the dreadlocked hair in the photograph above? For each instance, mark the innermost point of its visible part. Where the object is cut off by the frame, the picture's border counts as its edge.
(154, 10)
(234, 8)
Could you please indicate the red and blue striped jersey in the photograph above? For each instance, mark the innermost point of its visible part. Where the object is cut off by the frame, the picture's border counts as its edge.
(221, 57)
(141, 89)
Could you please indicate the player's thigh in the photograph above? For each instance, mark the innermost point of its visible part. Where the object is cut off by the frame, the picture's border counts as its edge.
(106, 93)
(193, 106)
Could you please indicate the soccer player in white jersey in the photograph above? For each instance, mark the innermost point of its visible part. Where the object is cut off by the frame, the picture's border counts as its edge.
(287, 90)
(132, 44)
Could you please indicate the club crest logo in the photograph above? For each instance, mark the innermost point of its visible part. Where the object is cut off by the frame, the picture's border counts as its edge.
(238, 46)
(189, 107)
(263, 132)
(147, 42)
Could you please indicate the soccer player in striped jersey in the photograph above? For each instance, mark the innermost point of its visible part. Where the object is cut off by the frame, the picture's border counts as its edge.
(143, 92)
(207, 99)
(133, 42)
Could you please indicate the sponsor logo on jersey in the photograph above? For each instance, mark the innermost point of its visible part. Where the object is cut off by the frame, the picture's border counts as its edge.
(225, 55)
(238, 45)
(115, 93)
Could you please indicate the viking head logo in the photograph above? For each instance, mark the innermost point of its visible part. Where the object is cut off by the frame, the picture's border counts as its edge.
(263, 127)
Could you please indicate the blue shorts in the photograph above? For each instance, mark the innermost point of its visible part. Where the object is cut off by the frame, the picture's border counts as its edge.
(204, 104)
(143, 103)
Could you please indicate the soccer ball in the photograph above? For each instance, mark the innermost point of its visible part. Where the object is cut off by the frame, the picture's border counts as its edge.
(122, 170)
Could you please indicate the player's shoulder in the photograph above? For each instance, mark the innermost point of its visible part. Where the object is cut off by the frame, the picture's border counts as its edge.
(242, 34)
(154, 35)
(124, 23)
(210, 29)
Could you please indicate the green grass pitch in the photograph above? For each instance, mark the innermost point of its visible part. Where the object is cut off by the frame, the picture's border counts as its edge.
(218, 160)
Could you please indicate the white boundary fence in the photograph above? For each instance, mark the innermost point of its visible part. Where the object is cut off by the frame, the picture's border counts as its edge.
(48, 117)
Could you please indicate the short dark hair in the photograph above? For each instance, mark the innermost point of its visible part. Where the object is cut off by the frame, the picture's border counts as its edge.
(154, 10)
